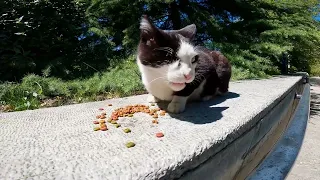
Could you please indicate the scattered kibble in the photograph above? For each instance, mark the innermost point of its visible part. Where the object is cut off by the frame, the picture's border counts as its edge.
(127, 130)
(128, 111)
(95, 122)
(159, 134)
(130, 144)
(104, 128)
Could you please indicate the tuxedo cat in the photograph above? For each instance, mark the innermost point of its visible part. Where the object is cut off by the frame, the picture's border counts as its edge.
(175, 70)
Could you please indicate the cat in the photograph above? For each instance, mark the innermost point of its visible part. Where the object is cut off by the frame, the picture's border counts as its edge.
(175, 70)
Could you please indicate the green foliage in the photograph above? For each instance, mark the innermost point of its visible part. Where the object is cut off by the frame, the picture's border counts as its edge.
(122, 80)
(119, 81)
(259, 30)
(68, 46)
(315, 70)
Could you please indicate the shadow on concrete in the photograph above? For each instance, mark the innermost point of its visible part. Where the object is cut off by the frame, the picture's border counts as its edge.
(202, 112)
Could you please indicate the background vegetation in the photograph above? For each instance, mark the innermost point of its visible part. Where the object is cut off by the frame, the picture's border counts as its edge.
(67, 51)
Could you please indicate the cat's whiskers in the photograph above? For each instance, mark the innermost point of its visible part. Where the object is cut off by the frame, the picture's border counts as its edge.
(157, 79)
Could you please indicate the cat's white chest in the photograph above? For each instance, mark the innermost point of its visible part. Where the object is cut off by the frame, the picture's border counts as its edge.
(155, 81)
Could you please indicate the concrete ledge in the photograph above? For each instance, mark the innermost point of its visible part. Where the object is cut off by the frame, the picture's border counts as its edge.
(282, 157)
(218, 139)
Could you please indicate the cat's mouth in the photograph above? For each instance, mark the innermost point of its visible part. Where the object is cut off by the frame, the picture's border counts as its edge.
(177, 84)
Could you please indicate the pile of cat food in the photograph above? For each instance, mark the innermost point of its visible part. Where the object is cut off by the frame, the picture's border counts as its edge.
(127, 111)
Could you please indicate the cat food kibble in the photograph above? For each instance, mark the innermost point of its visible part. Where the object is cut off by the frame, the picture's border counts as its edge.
(96, 128)
(117, 125)
(130, 144)
(101, 109)
(102, 121)
(155, 121)
(104, 128)
(95, 122)
(109, 104)
(104, 114)
(159, 134)
(113, 122)
(127, 130)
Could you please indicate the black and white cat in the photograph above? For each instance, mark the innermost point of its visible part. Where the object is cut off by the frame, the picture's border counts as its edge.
(175, 70)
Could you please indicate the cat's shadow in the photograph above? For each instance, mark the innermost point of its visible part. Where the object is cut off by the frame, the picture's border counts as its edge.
(202, 112)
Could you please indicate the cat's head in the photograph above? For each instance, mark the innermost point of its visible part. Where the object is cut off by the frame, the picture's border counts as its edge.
(169, 52)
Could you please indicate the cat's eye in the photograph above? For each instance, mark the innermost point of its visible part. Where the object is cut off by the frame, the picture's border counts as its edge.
(195, 59)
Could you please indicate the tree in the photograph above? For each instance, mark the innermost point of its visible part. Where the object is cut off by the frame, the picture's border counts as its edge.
(38, 35)
(75, 38)
(253, 34)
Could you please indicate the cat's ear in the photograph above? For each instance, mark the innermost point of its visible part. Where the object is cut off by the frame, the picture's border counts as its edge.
(147, 29)
(188, 31)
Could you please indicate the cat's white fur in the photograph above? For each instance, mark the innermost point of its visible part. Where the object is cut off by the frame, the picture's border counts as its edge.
(162, 82)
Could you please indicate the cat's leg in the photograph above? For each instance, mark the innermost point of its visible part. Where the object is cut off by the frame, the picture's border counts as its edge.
(152, 99)
(180, 98)
(178, 104)
(210, 88)
(223, 88)
(224, 75)
(206, 98)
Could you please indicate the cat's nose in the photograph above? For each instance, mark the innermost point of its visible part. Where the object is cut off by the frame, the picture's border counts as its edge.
(187, 76)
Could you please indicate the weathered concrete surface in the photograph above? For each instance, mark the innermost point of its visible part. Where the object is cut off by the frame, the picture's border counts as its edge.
(241, 156)
(279, 161)
(297, 156)
(307, 164)
(59, 143)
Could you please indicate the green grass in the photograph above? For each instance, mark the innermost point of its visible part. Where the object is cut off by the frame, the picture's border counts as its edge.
(122, 80)
(315, 69)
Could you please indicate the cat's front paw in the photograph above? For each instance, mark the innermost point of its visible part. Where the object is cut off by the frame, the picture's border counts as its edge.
(176, 107)
(152, 99)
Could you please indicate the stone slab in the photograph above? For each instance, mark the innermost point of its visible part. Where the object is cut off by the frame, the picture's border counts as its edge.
(281, 159)
(59, 142)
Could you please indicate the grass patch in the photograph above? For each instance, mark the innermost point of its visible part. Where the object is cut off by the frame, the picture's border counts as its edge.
(315, 69)
(36, 91)
(122, 80)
